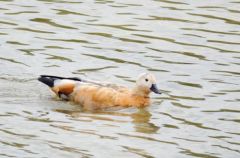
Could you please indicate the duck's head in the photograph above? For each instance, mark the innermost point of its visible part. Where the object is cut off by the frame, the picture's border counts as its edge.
(146, 82)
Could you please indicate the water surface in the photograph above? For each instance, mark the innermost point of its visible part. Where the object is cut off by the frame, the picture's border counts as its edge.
(191, 46)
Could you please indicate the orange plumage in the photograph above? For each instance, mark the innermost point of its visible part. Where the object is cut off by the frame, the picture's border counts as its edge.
(95, 95)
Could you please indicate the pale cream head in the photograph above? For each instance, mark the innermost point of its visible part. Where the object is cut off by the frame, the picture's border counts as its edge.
(147, 83)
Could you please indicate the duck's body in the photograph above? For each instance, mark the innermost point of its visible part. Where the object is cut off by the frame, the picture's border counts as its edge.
(95, 95)
(92, 97)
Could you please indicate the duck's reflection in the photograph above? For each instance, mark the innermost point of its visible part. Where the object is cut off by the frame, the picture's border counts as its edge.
(141, 121)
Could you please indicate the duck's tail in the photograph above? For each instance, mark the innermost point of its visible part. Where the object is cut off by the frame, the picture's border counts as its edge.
(49, 80)
(62, 86)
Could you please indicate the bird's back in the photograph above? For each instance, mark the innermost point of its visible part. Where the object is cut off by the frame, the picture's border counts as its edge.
(96, 97)
(93, 95)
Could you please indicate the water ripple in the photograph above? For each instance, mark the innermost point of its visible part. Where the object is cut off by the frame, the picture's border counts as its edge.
(192, 47)
(230, 21)
(49, 22)
(34, 30)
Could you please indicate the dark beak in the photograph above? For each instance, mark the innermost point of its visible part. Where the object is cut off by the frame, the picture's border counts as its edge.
(155, 89)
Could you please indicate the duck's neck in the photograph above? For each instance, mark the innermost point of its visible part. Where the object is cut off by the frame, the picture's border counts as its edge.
(140, 91)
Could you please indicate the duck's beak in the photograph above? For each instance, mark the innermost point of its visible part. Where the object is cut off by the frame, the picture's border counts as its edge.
(155, 89)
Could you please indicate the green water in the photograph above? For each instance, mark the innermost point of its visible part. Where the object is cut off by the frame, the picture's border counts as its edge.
(192, 47)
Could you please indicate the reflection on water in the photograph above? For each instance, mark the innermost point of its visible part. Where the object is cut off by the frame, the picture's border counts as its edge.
(191, 46)
(142, 124)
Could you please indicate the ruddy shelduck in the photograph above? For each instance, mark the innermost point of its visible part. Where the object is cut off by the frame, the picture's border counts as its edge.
(93, 95)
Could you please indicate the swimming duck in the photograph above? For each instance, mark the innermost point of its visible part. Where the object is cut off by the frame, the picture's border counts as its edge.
(93, 95)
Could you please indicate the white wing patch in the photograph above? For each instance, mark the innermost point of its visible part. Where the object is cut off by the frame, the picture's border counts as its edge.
(63, 82)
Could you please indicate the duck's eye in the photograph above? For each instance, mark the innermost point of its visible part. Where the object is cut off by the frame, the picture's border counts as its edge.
(146, 80)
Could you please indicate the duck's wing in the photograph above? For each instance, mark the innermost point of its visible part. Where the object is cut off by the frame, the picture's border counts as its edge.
(61, 86)
(64, 86)
(58, 77)
(116, 87)
(104, 84)
(95, 82)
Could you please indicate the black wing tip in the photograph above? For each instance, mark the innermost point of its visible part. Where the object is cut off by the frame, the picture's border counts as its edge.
(51, 76)
(49, 80)
(57, 77)
(46, 80)
(74, 78)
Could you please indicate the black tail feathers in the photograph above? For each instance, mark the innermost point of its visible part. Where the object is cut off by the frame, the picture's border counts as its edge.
(49, 80)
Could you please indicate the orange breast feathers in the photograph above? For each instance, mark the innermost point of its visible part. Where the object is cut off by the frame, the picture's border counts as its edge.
(95, 97)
